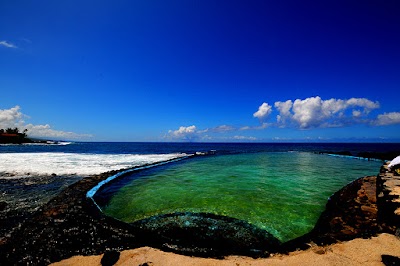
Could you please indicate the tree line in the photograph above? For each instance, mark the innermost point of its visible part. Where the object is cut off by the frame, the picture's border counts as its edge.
(13, 131)
(13, 135)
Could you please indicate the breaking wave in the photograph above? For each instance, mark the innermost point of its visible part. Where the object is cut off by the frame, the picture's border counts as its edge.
(47, 163)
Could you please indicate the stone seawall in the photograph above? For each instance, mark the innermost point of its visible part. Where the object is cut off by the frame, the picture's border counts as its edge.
(362, 209)
(388, 194)
(350, 213)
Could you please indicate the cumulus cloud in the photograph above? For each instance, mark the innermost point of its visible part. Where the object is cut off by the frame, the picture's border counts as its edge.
(192, 132)
(315, 112)
(185, 133)
(13, 117)
(263, 111)
(363, 102)
(7, 44)
(387, 119)
(308, 113)
(284, 111)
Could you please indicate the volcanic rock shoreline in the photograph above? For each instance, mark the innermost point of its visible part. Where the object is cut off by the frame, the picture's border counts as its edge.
(70, 224)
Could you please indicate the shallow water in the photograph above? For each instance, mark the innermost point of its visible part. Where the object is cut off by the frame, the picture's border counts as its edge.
(281, 192)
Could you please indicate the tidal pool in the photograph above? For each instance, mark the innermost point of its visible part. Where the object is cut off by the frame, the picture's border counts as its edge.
(283, 193)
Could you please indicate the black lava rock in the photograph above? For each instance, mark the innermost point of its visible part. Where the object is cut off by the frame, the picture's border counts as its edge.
(110, 258)
(205, 234)
(389, 260)
(3, 205)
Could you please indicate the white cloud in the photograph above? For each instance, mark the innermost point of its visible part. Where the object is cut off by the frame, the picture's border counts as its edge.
(356, 113)
(284, 111)
(368, 105)
(193, 133)
(186, 133)
(263, 111)
(47, 132)
(13, 117)
(314, 112)
(7, 44)
(387, 119)
(308, 113)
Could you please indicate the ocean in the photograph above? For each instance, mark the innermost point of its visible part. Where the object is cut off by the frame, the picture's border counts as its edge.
(279, 187)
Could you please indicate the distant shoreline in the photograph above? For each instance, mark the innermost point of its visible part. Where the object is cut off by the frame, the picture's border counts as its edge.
(20, 141)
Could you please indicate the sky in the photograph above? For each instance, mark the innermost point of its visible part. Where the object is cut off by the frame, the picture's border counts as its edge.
(206, 71)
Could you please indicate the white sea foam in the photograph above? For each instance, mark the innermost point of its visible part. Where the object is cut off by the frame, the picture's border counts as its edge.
(46, 163)
(48, 143)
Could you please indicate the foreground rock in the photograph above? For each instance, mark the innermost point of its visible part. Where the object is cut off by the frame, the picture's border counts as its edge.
(21, 197)
(206, 235)
(67, 225)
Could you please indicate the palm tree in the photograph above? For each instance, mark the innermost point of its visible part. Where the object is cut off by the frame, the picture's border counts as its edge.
(24, 133)
(10, 130)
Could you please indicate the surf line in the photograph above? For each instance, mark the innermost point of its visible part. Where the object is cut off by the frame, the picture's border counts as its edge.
(354, 157)
(93, 191)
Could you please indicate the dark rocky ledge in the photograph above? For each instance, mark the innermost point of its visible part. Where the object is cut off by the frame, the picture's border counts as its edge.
(388, 193)
(362, 209)
(70, 224)
(207, 235)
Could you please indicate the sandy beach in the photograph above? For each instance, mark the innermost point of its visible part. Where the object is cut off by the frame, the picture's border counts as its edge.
(354, 252)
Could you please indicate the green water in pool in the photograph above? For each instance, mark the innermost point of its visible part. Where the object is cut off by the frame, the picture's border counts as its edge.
(281, 192)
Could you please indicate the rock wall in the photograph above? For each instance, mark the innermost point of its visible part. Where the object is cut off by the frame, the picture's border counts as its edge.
(364, 208)
(350, 213)
(388, 194)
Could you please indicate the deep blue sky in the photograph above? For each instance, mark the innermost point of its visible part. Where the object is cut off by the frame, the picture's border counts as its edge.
(140, 70)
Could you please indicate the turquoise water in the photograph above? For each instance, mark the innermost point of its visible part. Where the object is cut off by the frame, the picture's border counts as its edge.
(283, 192)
